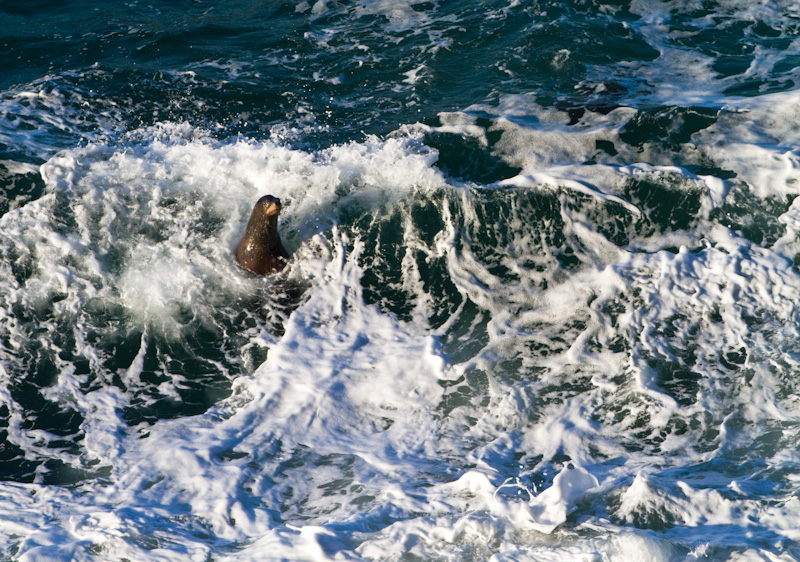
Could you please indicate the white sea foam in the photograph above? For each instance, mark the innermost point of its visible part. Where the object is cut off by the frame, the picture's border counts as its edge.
(542, 368)
(167, 207)
(345, 443)
(684, 75)
(43, 117)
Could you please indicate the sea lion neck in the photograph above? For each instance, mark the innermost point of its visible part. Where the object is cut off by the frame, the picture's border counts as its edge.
(263, 223)
(263, 227)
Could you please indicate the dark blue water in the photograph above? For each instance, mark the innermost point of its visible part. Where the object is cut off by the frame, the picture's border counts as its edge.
(541, 302)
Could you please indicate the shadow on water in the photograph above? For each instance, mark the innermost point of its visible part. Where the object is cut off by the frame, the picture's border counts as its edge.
(17, 189)
(466, 159)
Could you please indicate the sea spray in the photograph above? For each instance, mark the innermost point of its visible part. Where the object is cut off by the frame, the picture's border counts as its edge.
(540, 306)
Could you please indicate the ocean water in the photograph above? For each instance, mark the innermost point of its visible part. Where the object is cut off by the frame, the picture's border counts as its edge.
(542, 303)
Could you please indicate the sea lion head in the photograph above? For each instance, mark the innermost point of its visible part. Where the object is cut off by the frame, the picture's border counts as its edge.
(268, 205)
(261, 251)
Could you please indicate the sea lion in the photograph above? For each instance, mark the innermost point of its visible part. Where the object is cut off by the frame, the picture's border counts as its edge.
(260, 250)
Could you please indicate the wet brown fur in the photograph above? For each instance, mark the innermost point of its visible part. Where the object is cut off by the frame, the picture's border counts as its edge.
(261, 250)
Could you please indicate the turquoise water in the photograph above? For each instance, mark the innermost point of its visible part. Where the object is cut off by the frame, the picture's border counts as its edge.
(541, 303)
